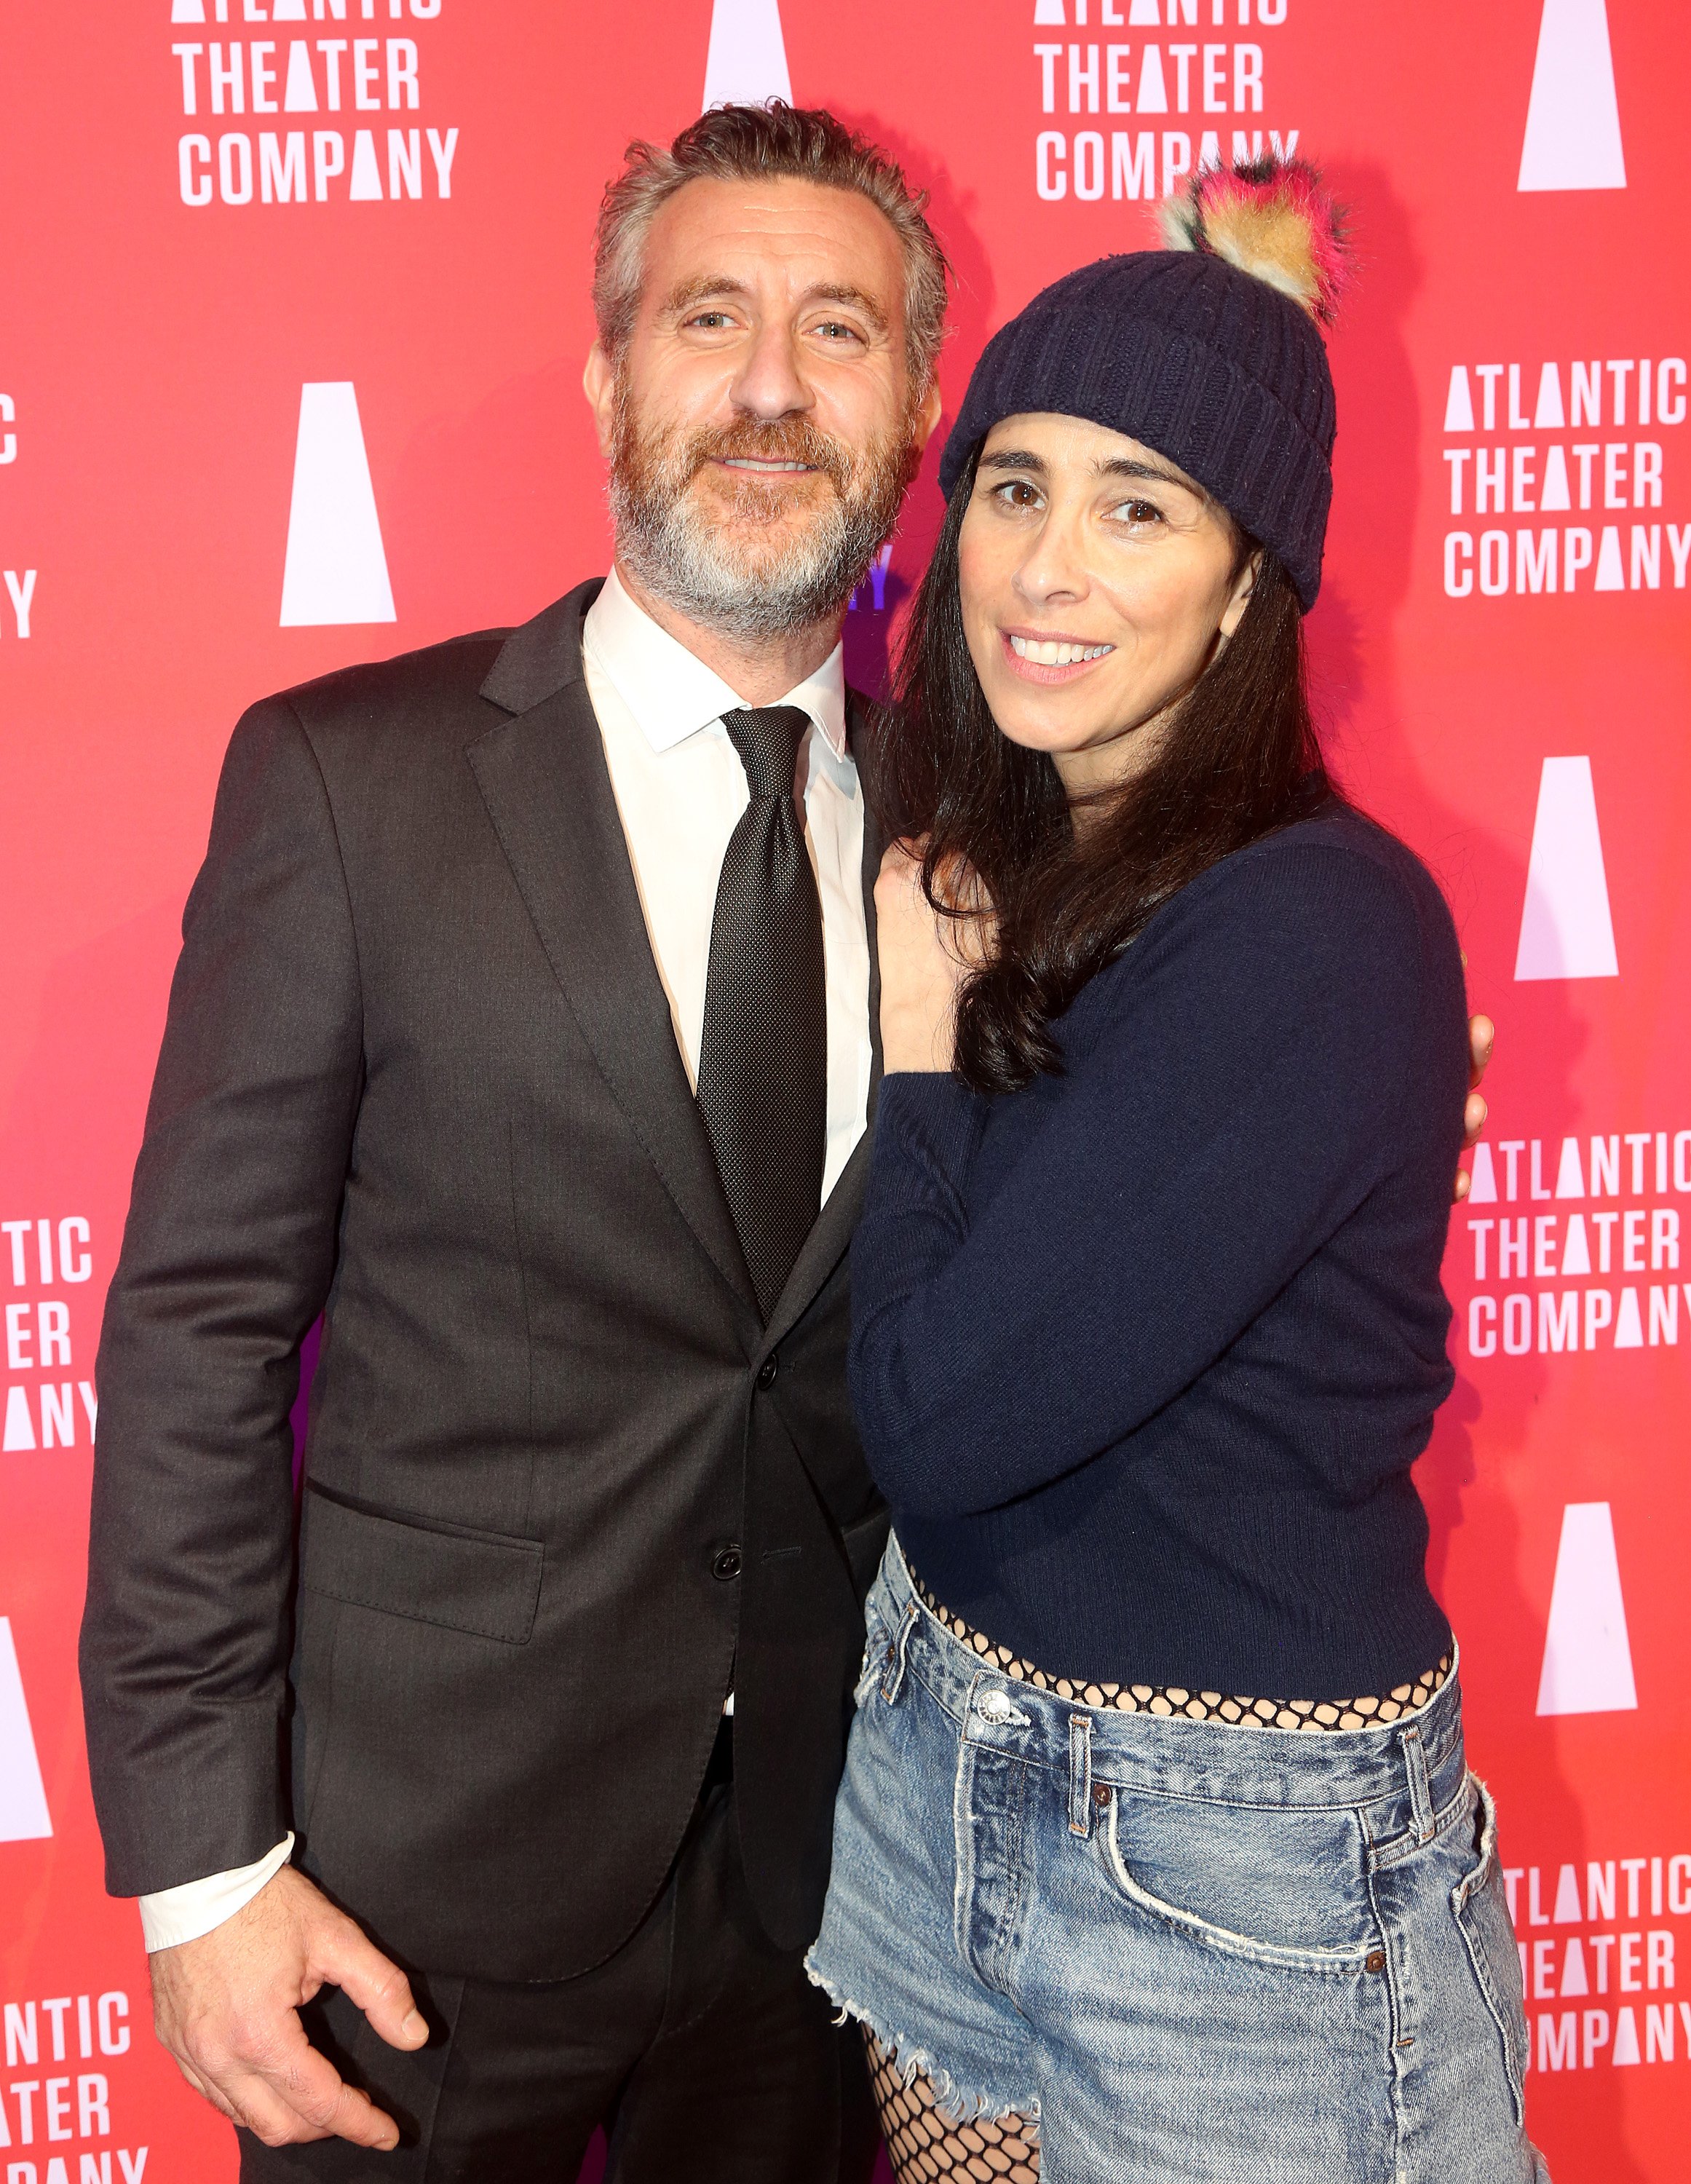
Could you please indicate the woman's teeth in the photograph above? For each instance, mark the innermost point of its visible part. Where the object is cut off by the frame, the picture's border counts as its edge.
(1048, 654)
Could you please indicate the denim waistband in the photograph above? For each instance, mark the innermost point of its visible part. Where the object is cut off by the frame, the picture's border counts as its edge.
(1407, 1771)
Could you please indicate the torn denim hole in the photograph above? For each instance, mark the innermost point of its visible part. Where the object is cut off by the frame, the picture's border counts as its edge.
(955, 2103)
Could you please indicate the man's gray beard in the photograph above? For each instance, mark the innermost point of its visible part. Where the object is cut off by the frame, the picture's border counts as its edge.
(749, 595)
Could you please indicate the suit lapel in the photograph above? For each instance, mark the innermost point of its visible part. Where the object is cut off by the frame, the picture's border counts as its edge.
(826, 1245)
(543, 777)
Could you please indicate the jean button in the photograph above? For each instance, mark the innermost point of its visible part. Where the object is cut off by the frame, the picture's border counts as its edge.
(1375, 1961)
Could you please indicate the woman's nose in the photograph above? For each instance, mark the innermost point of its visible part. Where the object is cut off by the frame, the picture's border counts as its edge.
(1052, 569)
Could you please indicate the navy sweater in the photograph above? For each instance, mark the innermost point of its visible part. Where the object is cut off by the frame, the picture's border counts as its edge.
(1141, 1355)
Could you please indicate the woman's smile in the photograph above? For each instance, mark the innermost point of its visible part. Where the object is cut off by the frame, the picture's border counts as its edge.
(1042, 656)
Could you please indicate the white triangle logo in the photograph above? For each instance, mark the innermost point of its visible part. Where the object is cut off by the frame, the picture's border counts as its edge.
(24, 1817)
(20, 1429)
(1588, 1662)
(1573, 124)
(365, 187)
(1565, 928)
(746, 63)
(336, 570)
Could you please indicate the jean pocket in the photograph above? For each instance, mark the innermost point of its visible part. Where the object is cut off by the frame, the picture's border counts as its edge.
(1481, 1913)
(1222, 1927)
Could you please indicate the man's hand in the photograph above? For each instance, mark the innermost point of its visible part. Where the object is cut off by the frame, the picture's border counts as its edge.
(226, 2006)
(1481, 1032)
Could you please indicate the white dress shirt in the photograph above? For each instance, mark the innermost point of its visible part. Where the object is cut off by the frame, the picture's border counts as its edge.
(679, 790)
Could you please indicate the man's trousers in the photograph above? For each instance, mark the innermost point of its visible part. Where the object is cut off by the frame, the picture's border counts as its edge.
(705, 2052)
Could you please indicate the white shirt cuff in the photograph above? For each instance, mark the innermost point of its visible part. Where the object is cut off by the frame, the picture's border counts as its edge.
(174, 1915)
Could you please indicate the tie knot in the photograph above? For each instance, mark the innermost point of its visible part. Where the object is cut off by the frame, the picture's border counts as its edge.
(767, 739)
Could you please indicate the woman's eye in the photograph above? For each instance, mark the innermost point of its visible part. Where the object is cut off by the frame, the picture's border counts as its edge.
(1139, 511)
(1017, 493)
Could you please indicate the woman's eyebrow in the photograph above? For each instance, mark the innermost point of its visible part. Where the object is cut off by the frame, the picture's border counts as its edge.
(1130, 466)
(1111, 466)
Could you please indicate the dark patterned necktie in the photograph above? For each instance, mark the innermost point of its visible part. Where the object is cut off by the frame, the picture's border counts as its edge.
(763, 1060)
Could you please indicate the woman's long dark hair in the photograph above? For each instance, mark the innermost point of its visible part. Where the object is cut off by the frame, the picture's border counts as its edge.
(1237, 758)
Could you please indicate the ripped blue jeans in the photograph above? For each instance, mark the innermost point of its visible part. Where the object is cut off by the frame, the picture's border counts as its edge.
(1185, 1951)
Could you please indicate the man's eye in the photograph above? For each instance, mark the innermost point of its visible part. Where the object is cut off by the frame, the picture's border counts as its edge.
(838, 330)
(710, 319)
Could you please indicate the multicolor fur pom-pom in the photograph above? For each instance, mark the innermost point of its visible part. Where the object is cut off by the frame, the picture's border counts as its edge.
(1271, 218)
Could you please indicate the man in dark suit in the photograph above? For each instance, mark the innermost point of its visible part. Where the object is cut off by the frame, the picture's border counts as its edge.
(522, 1030)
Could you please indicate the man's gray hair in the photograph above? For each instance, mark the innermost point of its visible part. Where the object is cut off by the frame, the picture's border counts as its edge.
(751, 144)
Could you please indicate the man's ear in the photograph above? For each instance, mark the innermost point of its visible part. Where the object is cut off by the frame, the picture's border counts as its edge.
(927, 415)
(599, 384)
(1234, 612)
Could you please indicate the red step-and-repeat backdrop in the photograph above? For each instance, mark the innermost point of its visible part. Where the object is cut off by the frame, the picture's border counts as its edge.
(296, 307)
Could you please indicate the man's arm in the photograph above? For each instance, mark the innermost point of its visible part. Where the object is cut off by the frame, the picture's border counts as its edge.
(227, 1257)
(171, 1916)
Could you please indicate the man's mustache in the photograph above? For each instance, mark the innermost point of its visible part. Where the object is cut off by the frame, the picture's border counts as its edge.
(789, 440)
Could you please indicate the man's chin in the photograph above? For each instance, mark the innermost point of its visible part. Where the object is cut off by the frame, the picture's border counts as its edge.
(760, 541)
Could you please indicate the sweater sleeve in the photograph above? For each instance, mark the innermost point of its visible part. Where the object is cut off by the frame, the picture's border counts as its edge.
(1254, 1080)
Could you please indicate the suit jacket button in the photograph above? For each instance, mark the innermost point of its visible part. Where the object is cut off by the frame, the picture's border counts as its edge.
(766, 1372)
(726, 1564)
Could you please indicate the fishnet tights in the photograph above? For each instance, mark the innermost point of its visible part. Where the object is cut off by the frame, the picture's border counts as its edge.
(1200, 1706)
(926, 2144)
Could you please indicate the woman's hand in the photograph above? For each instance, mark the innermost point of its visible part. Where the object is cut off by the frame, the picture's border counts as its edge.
(925, 958)
(1482, 1035)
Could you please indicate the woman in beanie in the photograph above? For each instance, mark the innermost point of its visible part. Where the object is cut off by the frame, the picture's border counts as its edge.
(1157, 1854)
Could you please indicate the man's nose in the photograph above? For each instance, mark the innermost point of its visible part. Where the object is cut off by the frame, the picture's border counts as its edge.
(769, 384)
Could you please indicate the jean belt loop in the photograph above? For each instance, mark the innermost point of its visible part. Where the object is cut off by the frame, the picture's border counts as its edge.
(1420, 1788)
(892, 1674)
(1080, 1774)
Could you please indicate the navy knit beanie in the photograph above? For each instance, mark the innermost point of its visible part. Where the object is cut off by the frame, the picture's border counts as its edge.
(1214, 366)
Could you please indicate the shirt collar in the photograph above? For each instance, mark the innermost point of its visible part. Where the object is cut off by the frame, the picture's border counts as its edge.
(672, 694)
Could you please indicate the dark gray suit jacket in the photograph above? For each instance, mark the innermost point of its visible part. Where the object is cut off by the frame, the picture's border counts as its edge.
(561, 1484)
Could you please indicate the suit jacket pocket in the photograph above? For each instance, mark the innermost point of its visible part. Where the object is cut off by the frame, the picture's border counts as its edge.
(485, 1583)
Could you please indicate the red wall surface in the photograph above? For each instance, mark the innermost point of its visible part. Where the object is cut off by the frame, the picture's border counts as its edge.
(1500, 653)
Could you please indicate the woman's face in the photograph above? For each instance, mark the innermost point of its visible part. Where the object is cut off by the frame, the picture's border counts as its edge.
(1095, 578)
